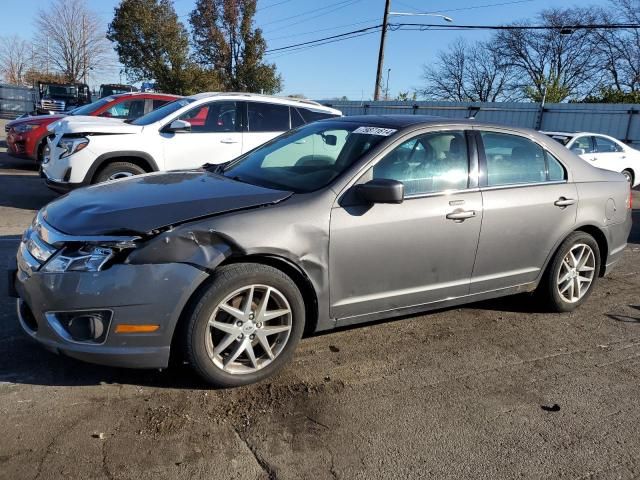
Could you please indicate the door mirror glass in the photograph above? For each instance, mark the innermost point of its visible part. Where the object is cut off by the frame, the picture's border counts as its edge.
(179, 126)
(578, 150)
(330, 140)
(381, 190)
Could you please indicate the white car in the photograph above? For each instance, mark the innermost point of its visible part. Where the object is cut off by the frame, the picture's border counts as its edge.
(187, 133)
(602, 151)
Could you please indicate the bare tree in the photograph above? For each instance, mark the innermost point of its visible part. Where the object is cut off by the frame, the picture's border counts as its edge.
(556, 63)
(619, 49)
(466, 73)
(15, 59)
(70, 39)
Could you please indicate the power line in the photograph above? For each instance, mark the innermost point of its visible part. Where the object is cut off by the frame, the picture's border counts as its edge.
(309, 47)
(322, 39)
(324, 29)
(424, 26)
(302, 14)
(474, 7)
(340, 7)
(259, 9)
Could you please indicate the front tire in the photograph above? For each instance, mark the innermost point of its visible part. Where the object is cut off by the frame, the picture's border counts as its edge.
(245, 326)
(572, 274)
(628, 175)
(117, 170)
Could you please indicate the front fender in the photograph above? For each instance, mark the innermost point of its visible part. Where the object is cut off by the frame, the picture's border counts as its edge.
(203, 249)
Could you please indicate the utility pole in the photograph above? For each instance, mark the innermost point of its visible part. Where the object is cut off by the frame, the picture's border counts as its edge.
(383, 35)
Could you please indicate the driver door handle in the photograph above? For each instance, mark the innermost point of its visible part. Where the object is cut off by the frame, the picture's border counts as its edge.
(229, 140)
(461, 215)
(563, 202)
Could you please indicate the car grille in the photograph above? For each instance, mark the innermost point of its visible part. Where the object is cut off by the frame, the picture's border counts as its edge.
(52, 105)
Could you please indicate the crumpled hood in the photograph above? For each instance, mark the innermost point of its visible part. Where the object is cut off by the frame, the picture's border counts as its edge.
(87, 124)
(147, 202)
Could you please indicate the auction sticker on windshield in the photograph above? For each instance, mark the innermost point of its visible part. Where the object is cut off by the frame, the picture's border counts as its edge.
(383, 132)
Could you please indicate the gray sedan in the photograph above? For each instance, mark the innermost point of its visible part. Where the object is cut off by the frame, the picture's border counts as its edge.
(335, 223)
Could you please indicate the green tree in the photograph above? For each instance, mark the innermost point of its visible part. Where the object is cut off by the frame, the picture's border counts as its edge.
(226, 42)
(551, 90)
(613, 95)
(152, 43)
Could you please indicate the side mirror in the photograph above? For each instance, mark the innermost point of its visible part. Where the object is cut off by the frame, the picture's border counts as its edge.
(381, 190)
(178, 126)
(578, 151)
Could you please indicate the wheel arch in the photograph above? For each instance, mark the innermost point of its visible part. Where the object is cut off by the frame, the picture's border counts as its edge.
(598, 235)
(634, 174)
(286, 266)
(296, 273)
(141, 159)
(601, 240)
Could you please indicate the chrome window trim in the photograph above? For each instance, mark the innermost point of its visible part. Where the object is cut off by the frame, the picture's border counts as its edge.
(442, 193)
(521, 185)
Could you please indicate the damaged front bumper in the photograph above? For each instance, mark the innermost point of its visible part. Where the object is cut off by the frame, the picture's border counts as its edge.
(48, 303)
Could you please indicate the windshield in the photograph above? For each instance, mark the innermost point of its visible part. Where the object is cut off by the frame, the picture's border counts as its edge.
(162, 112)
(60, 91)
(92, 107)
(106, 91)
(308, 158)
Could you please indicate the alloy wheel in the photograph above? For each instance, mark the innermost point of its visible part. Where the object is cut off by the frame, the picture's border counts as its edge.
(248, 329)
(576, 273)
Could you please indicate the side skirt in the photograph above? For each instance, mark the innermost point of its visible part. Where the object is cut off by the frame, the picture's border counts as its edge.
(448, 302)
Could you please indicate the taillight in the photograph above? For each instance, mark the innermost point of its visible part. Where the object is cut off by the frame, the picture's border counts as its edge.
(630, 200)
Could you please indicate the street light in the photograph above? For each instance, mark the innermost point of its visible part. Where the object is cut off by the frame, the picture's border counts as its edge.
(387, 94)
(387, 7)
(409, 14)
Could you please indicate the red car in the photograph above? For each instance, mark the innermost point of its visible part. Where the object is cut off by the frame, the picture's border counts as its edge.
(27, 137)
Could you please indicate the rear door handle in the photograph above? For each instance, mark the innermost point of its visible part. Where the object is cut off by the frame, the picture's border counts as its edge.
(461, 215)
(563, 202)
(229, 140)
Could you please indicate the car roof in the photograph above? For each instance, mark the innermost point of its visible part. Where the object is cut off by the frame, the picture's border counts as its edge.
(146, 94)
(405, 121)
(574, 134)
(268, 98)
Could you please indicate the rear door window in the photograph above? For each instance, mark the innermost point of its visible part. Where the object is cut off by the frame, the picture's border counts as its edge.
(267, 117)
(604, 145)
(513, 160)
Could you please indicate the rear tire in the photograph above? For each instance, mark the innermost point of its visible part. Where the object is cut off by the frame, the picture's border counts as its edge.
(629, 175)
(117, 170)
(231, 341)
(572, 273)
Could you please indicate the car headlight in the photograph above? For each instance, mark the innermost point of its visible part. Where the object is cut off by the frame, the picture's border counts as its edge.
(87, 258)
(72, 145)
(25, 127)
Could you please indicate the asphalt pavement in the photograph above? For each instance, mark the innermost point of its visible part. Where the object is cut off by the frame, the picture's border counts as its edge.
(493, 390)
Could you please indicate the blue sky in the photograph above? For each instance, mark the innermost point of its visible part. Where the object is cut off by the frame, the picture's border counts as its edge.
(337, 69)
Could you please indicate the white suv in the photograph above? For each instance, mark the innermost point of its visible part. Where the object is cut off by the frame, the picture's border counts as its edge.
(187, 133)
